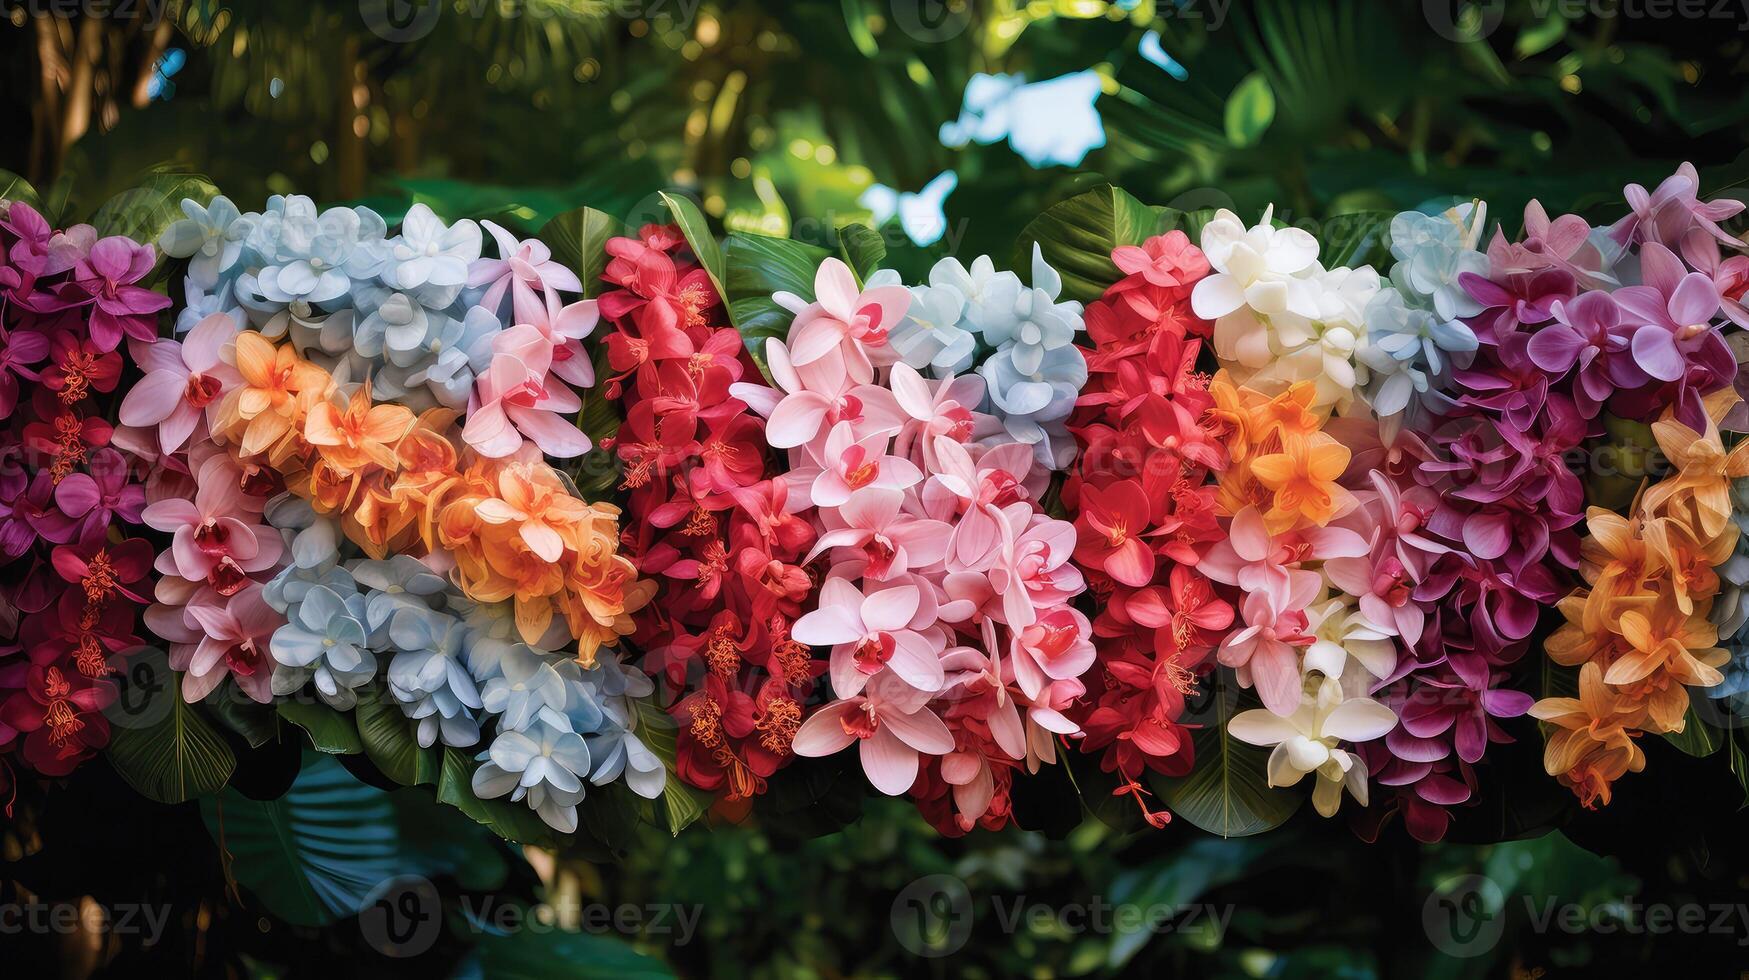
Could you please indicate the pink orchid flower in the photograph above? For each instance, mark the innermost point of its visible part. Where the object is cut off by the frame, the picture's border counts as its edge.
(1056, 647)
(563, 328)
(95, 498)
(181, 380)
(843, 319)
(1385, 588)
(926, 410)
(517, 398)
(1253, 560)
(871, 633)
(893, 723)
(1265, 654)
(1671, 210)
(210, 542)
(523, 268)
(234, 644)
(980, 494)
(846, 465)
(890, 541)
(1033, 570)
(806, 401)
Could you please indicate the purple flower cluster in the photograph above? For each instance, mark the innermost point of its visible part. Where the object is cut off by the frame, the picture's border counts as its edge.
(70, 594)
(1561, 341)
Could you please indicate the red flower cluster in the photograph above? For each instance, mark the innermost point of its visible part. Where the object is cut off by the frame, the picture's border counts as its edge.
(70, 591)
(1144, 509)
(704, 520)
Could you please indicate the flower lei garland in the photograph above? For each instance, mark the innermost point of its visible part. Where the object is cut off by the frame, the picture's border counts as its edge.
(68, 499)
(351, 394)
(704, 520)
(945, 601)
(1355, 509)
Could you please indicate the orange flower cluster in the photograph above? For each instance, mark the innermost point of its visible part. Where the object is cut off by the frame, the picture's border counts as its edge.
(1281, 462)
(398, 484)
(1640, 632)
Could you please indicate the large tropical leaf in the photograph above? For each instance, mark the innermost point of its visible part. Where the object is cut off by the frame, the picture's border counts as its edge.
(16, 188)
(159, 743)
(143, 212)
(756, 266)
(1077, 236)
(681, 803)
(698, 237)
(578, 239)
(862, 248)
(1227, 792)
(314, 854)
(512, 821)
(330, 731)
(388, 738)
(1699, 737)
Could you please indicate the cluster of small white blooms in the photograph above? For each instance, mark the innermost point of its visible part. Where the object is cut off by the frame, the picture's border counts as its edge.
(1280, 316)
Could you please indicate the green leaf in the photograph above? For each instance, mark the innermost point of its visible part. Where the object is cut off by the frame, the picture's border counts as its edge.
(389, 741)
(596, 471)
(1536, 38)
(698, 237)
(1698, 738)
(16, 188)
(578, 239)
(142, 213)
(1356, 239)
(543, 954)
(512, 821)
(312, 855)
(331, 732)
(757, 266)
(657, 730)
(1250, 109)
(1739, 759)
(1227, 792)
(254, 722)
(862, 248)
(1077, 236)
(159, 743)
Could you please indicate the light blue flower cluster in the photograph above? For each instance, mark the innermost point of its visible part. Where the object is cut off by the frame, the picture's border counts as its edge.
(1414, 325)
(352, 298)
(1731, 608)
(454, 666)
(1022, 339)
